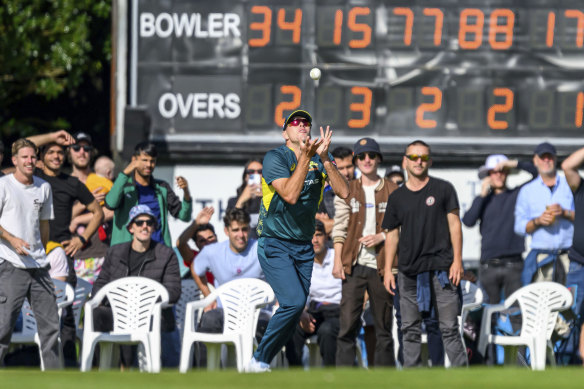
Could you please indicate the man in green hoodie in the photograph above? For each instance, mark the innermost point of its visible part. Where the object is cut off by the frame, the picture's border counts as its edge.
(136, 185)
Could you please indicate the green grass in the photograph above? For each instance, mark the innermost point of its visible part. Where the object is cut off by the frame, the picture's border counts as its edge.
(481, 377)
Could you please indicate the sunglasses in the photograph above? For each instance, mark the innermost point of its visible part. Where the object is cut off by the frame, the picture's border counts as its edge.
(371, 155)
(253, 171)
(79, 147)
(141, 222)
(296, 122)
(415, 157)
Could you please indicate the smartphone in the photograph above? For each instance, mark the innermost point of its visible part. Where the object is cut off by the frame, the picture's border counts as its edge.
(254, 179)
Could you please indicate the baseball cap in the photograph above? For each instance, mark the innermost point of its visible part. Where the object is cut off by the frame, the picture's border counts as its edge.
(544, 148)
(294, 114)
(137, 210)
(365, 145)
(492, 161)
(394, 169)
(83, 137)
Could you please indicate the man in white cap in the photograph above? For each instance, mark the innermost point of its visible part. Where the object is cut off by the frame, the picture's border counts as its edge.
(501, 248)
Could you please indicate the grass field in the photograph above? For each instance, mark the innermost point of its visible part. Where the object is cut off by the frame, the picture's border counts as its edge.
(495, 378)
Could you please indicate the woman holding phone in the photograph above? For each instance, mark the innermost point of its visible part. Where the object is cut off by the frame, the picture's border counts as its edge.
(249, 193)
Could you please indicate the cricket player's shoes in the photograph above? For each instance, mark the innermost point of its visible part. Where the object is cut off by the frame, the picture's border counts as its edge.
(257, 367)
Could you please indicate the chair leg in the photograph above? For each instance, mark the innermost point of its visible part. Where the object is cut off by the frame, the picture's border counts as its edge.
(538, 353)
(87, 351)
(213, 355)
(186, 356)
(551, 355)
(105, 355)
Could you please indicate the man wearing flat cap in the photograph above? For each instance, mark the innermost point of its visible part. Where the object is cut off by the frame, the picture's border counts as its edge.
(545, 210)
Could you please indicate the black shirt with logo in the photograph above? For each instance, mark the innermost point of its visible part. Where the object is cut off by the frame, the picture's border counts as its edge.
(424, 242)
(66, 190)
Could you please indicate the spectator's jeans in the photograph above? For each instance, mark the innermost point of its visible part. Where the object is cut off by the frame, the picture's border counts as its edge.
(435, 346)
(447, 303)
(37, 286)
(576, 278)
(326, 330)
(361, 279)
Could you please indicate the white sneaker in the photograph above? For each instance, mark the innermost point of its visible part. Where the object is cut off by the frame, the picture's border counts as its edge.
(257, 367)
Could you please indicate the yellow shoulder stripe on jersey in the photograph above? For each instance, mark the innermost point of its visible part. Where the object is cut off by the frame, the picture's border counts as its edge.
(268, 192)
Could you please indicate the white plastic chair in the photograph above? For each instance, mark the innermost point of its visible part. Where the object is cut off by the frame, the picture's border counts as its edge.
(540, 303)
(29, 335)
(189, 292)
(241, 300)
(136, 304)
(82, 291)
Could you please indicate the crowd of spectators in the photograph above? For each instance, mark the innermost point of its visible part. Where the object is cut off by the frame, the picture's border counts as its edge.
(99, 227)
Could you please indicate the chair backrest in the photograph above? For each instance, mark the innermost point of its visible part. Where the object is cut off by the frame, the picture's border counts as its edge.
(240, 300)
(133, 300)
(64, 296)
(82, 291)
(189, 292)
(539, 303)
(472, 295)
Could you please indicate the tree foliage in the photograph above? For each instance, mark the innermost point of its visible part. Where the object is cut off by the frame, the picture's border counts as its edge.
(48, 49)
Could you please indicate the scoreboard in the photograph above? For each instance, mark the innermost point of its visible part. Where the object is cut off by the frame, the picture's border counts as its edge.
(468, 76)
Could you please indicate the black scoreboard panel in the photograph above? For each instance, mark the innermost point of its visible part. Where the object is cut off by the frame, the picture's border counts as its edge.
(472, 75)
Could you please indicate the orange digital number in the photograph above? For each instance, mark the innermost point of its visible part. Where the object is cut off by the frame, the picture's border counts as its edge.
(429, 107)
(579, 15)
(476, 29)
(363, 107)
(265, 27)
(506, 29)
(579, 110)
(287, 105)
(409, 14)
(439, 22)
(500, 108)
(551, 25)
(359, 27)
(338, 27)
(295, 25)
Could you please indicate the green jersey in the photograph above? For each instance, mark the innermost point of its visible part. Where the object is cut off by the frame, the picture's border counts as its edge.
(279, 219)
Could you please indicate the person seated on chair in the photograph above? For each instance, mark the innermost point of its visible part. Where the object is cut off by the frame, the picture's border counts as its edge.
(140, 257)
(202, 233)
(232, 259)
(321, 316)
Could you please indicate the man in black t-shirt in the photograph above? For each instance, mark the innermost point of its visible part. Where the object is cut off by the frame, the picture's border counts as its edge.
(422, 220)
(66, 190)
(575, 275)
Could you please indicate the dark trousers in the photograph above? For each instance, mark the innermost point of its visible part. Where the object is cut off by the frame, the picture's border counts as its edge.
(326, 330)
(499, 278)
(36, 285)
(360, 280)
(435, 346)
(68, 329)
(448, 306)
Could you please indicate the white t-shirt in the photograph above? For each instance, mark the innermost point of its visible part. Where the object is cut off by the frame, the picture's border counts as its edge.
(324, 287)
(227, 265)
(21, 209)
(366, 256)
(58, 261)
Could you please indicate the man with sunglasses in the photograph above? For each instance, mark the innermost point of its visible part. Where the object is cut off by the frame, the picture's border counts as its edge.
(359, 256)
(88, 261)
(140, 257)
(422, 220)
(293, 179)
(545, 210)
(501, 249)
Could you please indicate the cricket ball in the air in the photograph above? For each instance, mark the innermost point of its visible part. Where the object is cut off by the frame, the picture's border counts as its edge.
(315, 73)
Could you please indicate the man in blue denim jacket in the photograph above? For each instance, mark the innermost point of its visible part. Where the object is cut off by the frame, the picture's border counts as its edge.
(545, 210)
